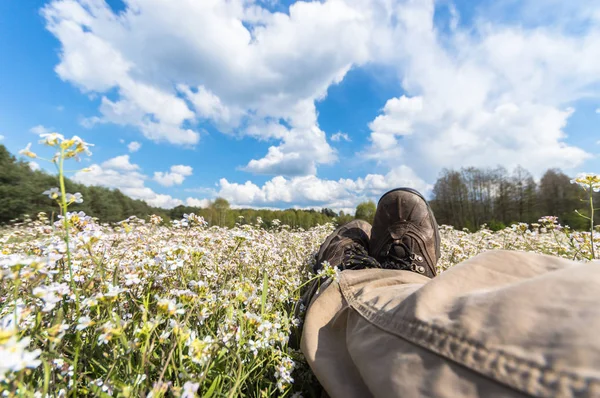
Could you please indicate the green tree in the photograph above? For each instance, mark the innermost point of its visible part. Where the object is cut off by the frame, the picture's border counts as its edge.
(343, 219)
(21, 193)
(366, 211)
(558, 197)
(328, 212)
(220, 207)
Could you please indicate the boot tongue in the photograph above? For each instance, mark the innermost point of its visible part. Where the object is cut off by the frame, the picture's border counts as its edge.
(400, 251)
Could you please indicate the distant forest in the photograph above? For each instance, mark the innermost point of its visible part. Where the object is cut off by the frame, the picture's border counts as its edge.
(466, 198)
(21, 194)
(470, 197)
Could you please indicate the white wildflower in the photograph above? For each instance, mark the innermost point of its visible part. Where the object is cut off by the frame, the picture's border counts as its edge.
(84, 322)
(52, 193)
(15, 356)
(189, 389)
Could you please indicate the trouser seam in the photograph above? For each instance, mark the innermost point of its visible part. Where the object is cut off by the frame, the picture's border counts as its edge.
(519, 373)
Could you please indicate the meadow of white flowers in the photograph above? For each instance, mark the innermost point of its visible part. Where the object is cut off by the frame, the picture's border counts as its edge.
(155, 309)
(147, 309)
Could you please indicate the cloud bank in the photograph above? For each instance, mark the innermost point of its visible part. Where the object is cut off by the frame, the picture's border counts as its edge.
(494, 90)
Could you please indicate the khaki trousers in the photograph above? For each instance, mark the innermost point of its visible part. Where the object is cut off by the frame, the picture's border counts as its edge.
(502, 324)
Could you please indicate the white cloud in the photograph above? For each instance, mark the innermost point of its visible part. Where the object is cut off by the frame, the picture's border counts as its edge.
(298, 192)
(597, 111)
(182, 169)
(492, 94)
(119, 173)
(174, 177)
(209, 106)
(134, 146)
(311, 191)
(202, 190)
(157, 114)
(1, 137)
(237, 64)
(39, 129)
(299, 154)
(164, 201)
(34, 166)
(339, 136)
(120, 163)
(204, 203)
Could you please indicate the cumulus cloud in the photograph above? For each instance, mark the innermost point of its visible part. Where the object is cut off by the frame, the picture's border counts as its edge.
(119, 173)
(209, 106)
(204, 203)
(339, 136)
(492, 94)
(163, 201)
(39, 129)
(34, 166)
(342, 194)
(174, 177)
(134, 146)
(234, 64)
(300, 153)
(120, 163)
(1, 137)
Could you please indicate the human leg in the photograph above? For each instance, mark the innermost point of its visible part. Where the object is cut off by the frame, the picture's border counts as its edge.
(345, 248)
(501, 324)
(405, 238)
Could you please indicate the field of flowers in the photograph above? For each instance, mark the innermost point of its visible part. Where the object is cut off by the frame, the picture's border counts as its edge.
(148, 309)
(178, 310)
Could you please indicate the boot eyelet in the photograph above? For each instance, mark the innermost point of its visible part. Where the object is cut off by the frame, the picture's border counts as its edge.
(416, 257)
(421, 269)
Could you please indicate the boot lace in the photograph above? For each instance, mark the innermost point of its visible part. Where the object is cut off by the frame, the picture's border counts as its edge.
(357, 257)
(409, 262)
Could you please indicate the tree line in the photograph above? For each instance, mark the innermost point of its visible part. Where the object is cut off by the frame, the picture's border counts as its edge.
(465, 198)
(220, 213)
(21, 195)
(471, 197)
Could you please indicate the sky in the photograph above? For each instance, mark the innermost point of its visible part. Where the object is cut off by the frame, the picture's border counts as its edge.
(279, 104)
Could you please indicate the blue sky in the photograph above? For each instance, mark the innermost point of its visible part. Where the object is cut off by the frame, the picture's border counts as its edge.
(300, 104)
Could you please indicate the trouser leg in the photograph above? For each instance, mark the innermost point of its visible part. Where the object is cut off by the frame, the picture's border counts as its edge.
(500, 324)
(345, 248)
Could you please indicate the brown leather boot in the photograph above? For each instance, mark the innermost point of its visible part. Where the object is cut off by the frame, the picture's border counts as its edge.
(405, 234)
(346, 248)
(344, 242)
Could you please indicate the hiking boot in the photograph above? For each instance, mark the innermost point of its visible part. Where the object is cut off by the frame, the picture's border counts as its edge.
(405, 234)
(346, 248)
(340, 247)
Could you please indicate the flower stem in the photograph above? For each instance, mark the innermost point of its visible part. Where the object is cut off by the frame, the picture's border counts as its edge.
(592, 220)
(65, 206)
